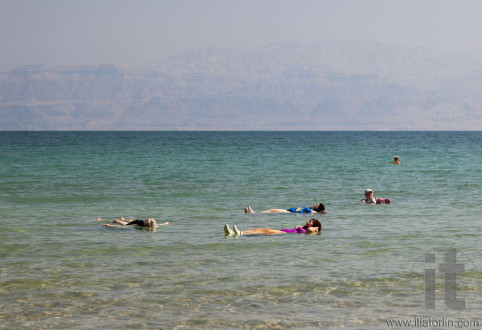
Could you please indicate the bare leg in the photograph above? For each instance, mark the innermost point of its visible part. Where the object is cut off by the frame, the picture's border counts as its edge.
(121, 222)
(275, 211)
(263, 231)
(122, 219)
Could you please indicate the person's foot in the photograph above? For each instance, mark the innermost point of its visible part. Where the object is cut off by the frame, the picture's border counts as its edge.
(228, 231)
(237, 232)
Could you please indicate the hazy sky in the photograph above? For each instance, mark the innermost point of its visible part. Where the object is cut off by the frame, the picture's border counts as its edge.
(144, 31)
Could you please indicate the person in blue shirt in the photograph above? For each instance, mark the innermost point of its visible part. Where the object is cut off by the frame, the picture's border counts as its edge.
(317, 208)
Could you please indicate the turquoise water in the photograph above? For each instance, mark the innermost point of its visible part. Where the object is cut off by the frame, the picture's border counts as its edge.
(61, 269)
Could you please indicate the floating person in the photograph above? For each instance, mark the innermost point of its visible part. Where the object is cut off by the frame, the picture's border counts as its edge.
(149, 223)
(317, 208)
(311, 227)
(369, 199)
(396, 160)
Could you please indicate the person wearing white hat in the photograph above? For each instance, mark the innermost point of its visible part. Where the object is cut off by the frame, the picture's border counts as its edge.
(369, 199)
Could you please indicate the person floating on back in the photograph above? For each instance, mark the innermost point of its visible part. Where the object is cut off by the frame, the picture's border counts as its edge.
(317, 208)
(149, 223)
(311, 227)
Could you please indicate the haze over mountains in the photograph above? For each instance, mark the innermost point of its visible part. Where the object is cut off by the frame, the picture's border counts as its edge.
(324, 86)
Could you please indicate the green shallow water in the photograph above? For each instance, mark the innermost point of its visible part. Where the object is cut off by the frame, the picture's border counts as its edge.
(61, 269)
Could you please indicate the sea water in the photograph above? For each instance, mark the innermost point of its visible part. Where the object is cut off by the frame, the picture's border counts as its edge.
(60, 268)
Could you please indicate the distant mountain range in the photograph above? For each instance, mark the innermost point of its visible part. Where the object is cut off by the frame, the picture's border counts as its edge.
(323, 86)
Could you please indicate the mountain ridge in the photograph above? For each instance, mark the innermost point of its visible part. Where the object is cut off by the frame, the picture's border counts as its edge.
(321, 86)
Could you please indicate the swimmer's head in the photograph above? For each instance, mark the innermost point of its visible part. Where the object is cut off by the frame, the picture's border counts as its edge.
(150, 223)
(313, 223)
(319, 207)
(368, 191)
(396, 158)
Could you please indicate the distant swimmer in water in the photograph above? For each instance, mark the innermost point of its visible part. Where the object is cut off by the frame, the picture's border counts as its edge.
(396, 160)
(149, 223)
(317, 208)
(311, 227)
(369, 199)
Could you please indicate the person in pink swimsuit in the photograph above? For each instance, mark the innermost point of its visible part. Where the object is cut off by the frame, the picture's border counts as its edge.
(311, 227)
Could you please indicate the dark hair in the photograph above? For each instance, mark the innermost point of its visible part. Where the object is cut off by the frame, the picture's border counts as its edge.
(319, 208)
(316, 223)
